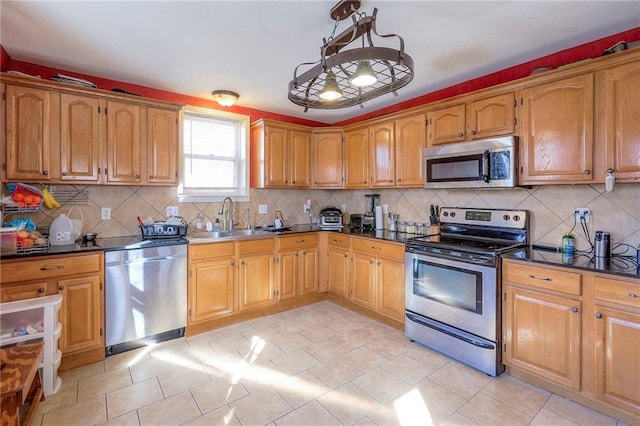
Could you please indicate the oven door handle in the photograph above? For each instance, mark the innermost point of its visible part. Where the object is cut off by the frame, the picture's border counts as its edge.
(486, 158)
(465, 338)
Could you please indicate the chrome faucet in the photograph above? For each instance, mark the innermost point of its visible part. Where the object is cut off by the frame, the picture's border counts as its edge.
(228, 221)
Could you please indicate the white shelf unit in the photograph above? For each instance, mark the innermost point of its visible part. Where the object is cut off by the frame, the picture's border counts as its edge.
(31, 313)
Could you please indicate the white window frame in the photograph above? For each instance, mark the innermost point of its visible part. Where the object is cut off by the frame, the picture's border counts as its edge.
(208, 196)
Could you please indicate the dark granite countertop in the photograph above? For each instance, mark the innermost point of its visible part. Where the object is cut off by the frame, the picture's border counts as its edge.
(624, 266)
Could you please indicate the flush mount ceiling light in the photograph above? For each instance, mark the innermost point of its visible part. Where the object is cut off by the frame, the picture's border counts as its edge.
(346, 78)
(225, 98)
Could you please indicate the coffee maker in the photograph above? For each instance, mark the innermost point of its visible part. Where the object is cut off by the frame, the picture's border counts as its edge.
(371, 201)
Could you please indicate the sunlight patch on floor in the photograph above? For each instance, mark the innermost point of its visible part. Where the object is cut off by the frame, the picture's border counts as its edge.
(412, 410)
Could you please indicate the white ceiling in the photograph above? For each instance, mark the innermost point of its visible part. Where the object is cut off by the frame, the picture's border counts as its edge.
(252, 47)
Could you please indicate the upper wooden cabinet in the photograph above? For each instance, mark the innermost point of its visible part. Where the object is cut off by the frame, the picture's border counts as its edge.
(281, 155)
(356, 158)
(410, 135)
(472, 119)
(63, 134)
(619, 127)
(556, 143)
(382, 145)
(327, 158)
(28, 133)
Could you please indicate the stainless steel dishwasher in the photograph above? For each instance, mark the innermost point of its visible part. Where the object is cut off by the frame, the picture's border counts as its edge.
(145, 293)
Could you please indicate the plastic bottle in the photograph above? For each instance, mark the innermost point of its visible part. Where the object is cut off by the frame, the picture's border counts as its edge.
(199, 222)
(62, 231)
(216, 226)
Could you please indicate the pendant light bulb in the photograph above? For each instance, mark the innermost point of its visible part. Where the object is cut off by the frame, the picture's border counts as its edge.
(331, 91)
(364, 75)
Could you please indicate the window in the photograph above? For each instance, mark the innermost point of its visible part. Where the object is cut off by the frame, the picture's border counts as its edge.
(215, 156)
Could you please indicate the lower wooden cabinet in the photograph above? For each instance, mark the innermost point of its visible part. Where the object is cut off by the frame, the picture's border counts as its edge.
(80, 314)
(579, 330)
(338, 271)
(298, 265)
(256, 281)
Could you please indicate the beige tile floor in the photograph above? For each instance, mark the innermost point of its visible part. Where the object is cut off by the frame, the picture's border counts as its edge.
(316, 365)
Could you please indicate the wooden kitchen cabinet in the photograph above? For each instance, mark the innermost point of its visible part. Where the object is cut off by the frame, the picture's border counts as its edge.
(281, 155)
(410, 138)
(256, 273)
(28, 133)
(161, 148)
(556, 143)
(447, 125)
(327, 158)
(298, 260)
(356, 158)
(80, 155)
(492, 116)
(338, 264)
(377, 276)
(618, 91)
(123, 143)
(79, 279)
(211, 281)
(617, 339)
(382, 146)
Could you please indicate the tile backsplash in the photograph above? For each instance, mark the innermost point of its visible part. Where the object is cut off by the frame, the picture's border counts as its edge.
(551, 207)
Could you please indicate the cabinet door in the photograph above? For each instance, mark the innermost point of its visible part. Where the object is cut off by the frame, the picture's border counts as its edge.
(339, 272)
(410, 143)
(79, 138)
(382, 146)
(123, 143)
(300, 159)
(356, 158)
(256, 281)
(617, 358)
(327, 160)
(362, 280)
(557, 131)
(28, 129)
(446, 125)
(11, 293)
(162, 146)
(621, 110)
(211, 290)
(288, 274)
(308, 266)
(276, 156)
(80, 314)
(494, 116)
(390, 282)
(543, 335)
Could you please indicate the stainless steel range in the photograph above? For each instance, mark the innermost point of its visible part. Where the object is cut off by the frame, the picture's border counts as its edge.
(452, 283)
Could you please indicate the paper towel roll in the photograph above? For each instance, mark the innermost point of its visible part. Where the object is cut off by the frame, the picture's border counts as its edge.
(378, 216)
(385, 209)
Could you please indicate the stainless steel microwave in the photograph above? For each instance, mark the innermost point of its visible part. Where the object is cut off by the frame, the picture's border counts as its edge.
(489, 163)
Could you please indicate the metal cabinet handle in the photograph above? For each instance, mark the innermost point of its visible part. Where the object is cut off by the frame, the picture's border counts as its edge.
(598, 315)
(299, 241)
(574, 309)
(460, 135)
(63, 173)
(137, 176)
(346, 255)
(473, 132)
(378, 263)
(41, 290)
(45, 173)
(233, 263)
(61, 288)
(376, 248)
(371, 262)
(51, 268)
(587, 172)
(150, 177)
(632, 295)
(540, 278)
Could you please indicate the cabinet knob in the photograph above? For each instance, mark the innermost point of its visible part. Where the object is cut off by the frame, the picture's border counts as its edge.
(399, 180)
(378, 263)
(233, 263)
(473, 132)
(574, 309)
(61, 288)
(598, 315)
(346, 255)
(137, 176)
(63, 173)
(45, 173)
(587, 172)
(460, 135)
(371, 262)
(150, 177)
(41, 290)
(632, 295)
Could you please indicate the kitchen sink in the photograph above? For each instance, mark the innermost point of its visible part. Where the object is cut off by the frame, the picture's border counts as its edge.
(234, 233)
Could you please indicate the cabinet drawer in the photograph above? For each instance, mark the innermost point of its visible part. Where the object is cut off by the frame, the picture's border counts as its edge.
(49, 267)
(377, 248)
(208, 251)
(299, 240)
(11, 293)
(337, 240)
(549, 279)
(616, 291)
(256, 246)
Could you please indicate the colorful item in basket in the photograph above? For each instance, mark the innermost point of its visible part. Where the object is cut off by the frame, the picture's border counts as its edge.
(23, 196)
(28, 240)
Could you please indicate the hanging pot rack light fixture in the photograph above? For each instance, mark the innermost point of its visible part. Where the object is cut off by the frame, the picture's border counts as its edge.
(342, 79)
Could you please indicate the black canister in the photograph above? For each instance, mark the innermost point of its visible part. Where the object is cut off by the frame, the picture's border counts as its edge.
(602, 244)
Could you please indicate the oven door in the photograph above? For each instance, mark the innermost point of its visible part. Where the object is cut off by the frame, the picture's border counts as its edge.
(457, 293)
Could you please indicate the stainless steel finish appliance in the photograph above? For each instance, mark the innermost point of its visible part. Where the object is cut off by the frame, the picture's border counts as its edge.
(145, 293)
(452, 283)
(489, 163)
(330, 218)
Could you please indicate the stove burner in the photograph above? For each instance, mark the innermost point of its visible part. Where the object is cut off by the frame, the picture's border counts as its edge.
(480, 244)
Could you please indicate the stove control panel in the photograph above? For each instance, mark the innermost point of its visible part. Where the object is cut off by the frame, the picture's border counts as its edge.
(515, 219)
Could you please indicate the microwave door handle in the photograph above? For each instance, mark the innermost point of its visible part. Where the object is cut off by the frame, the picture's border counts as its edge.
(485, 166)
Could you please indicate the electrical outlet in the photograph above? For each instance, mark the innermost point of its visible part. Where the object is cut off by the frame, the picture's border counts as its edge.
(343, 207)
(580, 213)
(105, 214)
(172, 211)
(263, 209)
(306, 208)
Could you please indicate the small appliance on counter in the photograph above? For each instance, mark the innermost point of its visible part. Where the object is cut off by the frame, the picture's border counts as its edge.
(602, 244)
(330, 218)
(174, 227)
